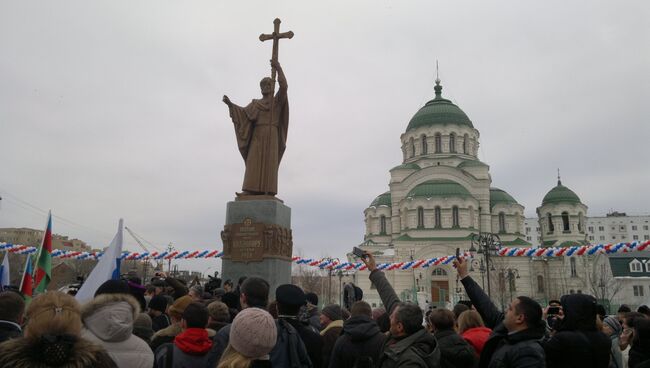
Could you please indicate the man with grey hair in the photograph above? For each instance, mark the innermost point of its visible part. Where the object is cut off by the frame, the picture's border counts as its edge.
(408, 343)
(196, 293)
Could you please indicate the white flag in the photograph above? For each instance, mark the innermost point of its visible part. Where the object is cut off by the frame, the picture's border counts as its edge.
(106, 269)
(4, 272)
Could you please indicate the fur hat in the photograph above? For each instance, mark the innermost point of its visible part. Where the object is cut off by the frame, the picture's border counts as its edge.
(179, 306)
(333, 312)
(253, 333)
(113, 287)
(159, 303)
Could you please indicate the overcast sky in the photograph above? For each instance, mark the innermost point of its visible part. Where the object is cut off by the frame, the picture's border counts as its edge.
(113, 109)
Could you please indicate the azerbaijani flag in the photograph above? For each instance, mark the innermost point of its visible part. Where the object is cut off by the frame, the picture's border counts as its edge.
(43, 272)
(27, 282)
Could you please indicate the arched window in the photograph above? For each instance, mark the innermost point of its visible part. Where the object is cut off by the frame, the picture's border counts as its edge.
(466, 144)
(439, 272)
(517, 223)
(580, 219)
(540, 284)
(454, 217)
(502, 222)
(412, 146)
(574, 272)
(420, 218)
(438, 222)
(438, 142)
(565, 222)
(424, 145)
(551, 228)
(382, 225)
(452, 142)
(471, 216)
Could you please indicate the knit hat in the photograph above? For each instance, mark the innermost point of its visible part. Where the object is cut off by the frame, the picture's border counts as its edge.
(613, 324)
(142, 327)
(218, 292)
(312, 298)
(253, 333)
(158, 302)
(179, 306)
(113, 287)
(289, 294)
(333, 312)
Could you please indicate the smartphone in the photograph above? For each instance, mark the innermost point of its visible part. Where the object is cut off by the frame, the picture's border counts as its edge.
(358, 252)
(457, 253)
(552, 311)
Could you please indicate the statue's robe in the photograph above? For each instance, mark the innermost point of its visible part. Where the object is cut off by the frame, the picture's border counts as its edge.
(262, 141)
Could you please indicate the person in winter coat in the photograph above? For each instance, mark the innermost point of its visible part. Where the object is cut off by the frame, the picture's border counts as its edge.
(515, 337)
(12, 309)
(52, 338)
(473, 330)
(167, 334)
(408, 343)
(253, 334)
(191, 346)
(577, 340)
(640, 350)
(331, 320)
(108, 320)
(309, 313)
(361, 341)
(455, 351)
(156, 310)
(289, 299)
(142, 327)
(613, 329)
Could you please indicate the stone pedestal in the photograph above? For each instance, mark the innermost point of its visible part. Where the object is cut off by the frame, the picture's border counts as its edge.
(257, 241)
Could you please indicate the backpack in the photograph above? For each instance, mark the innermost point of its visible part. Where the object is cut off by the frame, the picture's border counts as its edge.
(289, 345)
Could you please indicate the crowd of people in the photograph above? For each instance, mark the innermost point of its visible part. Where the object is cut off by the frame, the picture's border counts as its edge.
(169, 324)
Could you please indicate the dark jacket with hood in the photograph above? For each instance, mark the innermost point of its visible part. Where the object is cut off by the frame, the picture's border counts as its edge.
(311, 339)
(522, 349)
(416, 350)
(361, 341)
(30, 353)
(454, 350)
(577, 341)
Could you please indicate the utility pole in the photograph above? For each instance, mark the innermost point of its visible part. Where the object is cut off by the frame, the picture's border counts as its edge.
(170, 248)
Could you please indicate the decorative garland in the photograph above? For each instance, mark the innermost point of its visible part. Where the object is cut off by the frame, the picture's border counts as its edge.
(334, 264)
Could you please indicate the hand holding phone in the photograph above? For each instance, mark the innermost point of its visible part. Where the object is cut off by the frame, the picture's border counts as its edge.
(358, 252)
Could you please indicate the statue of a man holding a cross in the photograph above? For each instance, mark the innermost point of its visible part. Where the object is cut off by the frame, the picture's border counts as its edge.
(261, 127)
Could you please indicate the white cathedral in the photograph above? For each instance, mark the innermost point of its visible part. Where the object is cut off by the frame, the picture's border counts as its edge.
(441, 196)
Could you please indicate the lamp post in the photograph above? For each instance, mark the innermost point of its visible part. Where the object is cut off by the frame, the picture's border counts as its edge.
(329, 283)
(509, 275)
(487, 244)
(340, 275)
(415, 293)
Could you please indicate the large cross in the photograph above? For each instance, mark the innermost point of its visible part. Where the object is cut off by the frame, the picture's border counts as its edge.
(275, 36)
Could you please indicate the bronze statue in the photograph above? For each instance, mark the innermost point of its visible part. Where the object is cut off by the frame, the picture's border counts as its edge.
(261, 127)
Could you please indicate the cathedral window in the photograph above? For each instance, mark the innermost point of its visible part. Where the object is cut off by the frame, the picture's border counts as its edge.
(502, 222)
(580, 219)
(437, 217)
(382, 225)
(635, 266)
(438, 141)
(466, 144)
(540, 284)
(420, 218)
(412, 146)
(454, 216)
(439, 272)
(424, 144)
(565, 222)
(551, 228)
(452, 143)
(471, 216)
(574, 272)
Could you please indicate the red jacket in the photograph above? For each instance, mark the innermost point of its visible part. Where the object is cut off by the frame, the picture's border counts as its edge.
(477, 337)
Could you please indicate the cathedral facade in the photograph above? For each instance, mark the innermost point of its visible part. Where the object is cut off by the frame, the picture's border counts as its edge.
(441, 197)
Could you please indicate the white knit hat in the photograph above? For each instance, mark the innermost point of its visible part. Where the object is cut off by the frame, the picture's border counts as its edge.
(253, 333)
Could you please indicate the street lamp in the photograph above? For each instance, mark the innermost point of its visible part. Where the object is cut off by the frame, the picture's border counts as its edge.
(329, 274)
(478, 263)
(487, 244)
(508, 275)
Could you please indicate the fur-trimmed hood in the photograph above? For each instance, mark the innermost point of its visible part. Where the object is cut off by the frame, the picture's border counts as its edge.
(26, 353)
(110, 317)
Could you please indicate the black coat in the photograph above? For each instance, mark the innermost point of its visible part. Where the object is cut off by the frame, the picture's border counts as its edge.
(361, 341)
(577, 342)
(311, 339)
(454, 350)
(9, 331)
(522, 349)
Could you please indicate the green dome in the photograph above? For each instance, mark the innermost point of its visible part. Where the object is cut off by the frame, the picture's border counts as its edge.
(382, 200)
(500, 196)
(560, 194)
(471, 163)
(439, 188)
(439, 111)
(410, 166)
